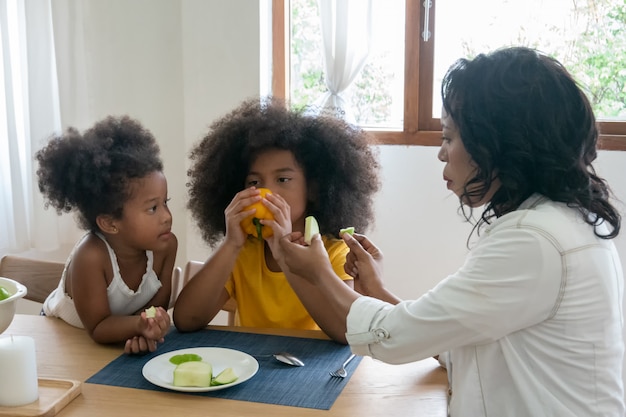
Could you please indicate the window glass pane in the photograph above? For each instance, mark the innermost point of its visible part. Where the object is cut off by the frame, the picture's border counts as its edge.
(307, 60)
(588, 37)
(376, 95)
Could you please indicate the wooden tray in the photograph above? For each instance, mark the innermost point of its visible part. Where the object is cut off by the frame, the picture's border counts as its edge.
(54, 394)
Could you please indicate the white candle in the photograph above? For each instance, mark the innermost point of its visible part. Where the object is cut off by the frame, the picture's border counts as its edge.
(18, 371)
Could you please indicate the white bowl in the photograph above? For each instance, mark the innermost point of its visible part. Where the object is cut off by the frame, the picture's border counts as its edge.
(7, 306)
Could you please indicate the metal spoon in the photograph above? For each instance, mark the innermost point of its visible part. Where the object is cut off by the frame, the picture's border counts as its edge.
(288, 358)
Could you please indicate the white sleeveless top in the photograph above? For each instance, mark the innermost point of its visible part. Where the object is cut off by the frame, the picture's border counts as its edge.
(122, 300)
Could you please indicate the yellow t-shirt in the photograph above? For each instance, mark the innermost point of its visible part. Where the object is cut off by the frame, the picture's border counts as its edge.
(265, 298)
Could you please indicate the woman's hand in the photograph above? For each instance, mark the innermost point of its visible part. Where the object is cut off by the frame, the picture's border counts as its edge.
(309, 262)
(364, 263)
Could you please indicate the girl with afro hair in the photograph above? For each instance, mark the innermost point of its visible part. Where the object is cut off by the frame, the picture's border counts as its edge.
(111, 176)
(313, 166)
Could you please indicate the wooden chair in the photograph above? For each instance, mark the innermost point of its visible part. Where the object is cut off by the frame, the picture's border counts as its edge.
(181, 277)
(39, 277)
(177, 285)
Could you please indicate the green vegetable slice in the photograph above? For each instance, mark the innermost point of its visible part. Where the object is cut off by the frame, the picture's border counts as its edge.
(185, 357)
(227, 376)
(193, 374)
(311, 228)
(150, 312)
(348, 230)
(4, 293)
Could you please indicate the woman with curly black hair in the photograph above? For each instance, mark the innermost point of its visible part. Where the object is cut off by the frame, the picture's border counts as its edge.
(112, 178)
(312, 166)
(531, 324)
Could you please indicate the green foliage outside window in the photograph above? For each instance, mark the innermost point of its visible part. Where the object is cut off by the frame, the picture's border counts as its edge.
(595, 55)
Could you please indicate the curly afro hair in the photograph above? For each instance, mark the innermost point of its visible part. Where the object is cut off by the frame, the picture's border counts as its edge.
(90, 173)
(336, 157)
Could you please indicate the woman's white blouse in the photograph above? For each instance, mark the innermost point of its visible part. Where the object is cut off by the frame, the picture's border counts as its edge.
(531, 324)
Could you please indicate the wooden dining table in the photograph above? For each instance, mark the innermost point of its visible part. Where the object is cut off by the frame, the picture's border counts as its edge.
(375, 389)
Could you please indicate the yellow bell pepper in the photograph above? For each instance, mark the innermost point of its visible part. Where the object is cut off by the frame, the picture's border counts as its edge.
(251, 224)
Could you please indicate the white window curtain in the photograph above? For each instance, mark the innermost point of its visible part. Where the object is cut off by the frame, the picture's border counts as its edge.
(346, 36)
(29, 113)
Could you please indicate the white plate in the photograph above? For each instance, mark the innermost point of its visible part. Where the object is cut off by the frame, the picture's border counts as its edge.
(160, 371)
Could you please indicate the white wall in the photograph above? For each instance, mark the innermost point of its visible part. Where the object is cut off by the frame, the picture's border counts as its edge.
(173, 65)
(220, 45)
(178, 65)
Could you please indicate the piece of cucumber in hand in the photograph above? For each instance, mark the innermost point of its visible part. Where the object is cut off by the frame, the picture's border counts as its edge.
(311, 228)
(150, 312)
(348, 230)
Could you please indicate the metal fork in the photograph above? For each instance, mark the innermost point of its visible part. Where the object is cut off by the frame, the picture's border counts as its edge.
(341, 372)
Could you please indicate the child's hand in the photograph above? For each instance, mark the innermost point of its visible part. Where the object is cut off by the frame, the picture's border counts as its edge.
(151, 332)
(139, 344)
(155, 328)
(234, 214)
(281, 225)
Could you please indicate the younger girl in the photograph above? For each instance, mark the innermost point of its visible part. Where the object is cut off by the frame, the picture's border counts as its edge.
(112, 177)
(316, 166)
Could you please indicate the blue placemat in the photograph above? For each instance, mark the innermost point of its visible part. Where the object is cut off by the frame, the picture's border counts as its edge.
(309, 386)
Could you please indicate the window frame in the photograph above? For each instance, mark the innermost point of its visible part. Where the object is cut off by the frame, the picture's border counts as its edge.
(419, 127)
